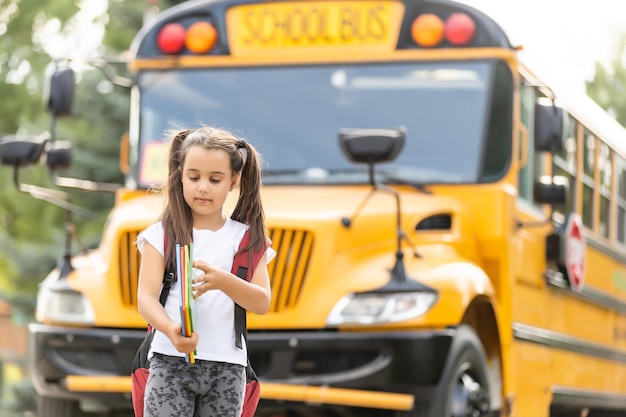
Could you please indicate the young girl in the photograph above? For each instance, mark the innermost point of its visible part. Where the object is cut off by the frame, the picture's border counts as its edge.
(204, 166)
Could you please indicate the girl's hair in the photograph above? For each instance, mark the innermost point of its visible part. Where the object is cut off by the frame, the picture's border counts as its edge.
(177, 218)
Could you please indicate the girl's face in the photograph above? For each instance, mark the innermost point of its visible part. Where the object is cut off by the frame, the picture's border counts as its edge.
(207, 178)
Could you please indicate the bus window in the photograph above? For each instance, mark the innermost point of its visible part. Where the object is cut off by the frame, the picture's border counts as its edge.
(565, 162)
(532, 170)
(498, 149)
(605, 168)
(589, 157)
(621, 199)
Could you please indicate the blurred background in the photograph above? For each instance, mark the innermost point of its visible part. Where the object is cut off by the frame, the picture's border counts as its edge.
(581, 45)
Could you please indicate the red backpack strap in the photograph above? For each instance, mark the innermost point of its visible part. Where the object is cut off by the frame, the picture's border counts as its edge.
(243, 270)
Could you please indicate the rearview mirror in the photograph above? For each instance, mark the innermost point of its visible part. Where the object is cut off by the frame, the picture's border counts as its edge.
(59, 155)
(371, 145)
(21, 152)
(551, 190)
(60, 94)
(549, 127)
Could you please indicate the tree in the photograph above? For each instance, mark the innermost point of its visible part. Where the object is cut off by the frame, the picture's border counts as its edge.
(22, 68)
(32, 231)
(608, 86)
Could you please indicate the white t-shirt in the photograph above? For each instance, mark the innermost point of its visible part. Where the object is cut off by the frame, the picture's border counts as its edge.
(212, 313)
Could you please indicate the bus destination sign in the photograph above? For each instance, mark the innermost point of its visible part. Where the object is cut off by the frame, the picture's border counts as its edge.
(313, 27)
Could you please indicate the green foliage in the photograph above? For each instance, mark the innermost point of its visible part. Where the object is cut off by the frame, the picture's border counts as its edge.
(608, 87)
(32, 232)
(125, 19)
(16, 108)
(21, 401)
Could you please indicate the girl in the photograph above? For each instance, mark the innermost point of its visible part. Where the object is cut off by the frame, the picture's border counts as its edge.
(204, 166)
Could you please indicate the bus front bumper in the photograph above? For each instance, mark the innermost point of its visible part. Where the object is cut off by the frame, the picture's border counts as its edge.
(389, 370)
(372, 370)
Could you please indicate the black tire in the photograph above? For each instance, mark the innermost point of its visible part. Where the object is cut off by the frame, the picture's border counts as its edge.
(463, 388)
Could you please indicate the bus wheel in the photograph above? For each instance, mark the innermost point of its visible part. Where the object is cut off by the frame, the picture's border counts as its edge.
(463, 389)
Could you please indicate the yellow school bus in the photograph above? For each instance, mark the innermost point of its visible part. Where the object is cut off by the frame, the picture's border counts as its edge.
(450, 230)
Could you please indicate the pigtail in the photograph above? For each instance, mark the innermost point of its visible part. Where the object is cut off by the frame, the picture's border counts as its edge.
(249, 208)
(177, 219)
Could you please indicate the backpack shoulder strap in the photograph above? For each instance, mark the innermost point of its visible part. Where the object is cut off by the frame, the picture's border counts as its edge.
(168, 279)
(168, 276)
(241, 266)
(243, 269)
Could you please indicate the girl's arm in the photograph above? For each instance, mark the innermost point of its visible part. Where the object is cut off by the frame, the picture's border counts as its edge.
(151, 273)
(254, 296)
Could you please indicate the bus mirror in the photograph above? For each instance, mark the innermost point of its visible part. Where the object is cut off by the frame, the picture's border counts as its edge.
(60, 92)
(21, 152)
(549, 128)
(59, 156)
(551, 190)
(371, 145)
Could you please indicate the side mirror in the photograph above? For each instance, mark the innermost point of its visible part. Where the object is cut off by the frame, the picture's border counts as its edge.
(59, 156)
(371, 145)
(60, 95)
(549, 128)
(20, 152)
(551, 190)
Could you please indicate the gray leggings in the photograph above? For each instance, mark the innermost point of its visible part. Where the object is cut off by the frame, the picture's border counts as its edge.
(176, 388)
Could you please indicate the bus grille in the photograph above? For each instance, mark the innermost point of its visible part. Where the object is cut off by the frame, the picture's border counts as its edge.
(130, 259)
(287, 271)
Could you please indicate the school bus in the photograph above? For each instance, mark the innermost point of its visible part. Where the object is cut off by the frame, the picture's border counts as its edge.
(450, 230)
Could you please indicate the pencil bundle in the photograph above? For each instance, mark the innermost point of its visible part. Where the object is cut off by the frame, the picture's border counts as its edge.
(184, 275)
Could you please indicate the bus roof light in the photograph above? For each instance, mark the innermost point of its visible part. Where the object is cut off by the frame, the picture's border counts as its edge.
(201, 37)
(427, 30)
(171, 38)
(459, 29)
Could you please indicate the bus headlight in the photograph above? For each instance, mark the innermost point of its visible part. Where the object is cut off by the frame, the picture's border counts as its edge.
(375, 308)
(63, 306)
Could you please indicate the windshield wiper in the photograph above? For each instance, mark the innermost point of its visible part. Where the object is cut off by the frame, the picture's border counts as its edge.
(392, 179)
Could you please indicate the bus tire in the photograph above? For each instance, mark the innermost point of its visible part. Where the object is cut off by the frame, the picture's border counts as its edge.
(463, 388)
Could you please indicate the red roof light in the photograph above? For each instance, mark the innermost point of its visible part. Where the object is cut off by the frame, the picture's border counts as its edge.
(171, 39)
(460, 29)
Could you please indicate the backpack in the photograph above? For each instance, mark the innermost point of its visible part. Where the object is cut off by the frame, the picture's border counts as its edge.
(141, 364)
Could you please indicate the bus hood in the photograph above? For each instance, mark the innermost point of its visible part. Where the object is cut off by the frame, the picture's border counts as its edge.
(331, 242)
(334, 242)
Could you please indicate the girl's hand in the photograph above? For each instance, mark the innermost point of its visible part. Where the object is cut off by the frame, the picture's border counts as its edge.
(183, 344)
(212, 279)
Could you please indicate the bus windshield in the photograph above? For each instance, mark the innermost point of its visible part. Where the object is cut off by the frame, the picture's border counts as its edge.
(293, 114)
